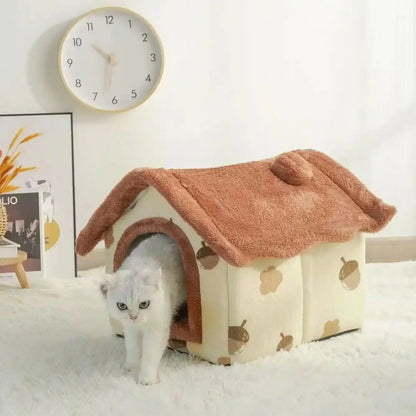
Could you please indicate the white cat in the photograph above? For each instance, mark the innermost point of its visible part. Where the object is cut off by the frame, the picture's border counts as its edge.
(143, 295)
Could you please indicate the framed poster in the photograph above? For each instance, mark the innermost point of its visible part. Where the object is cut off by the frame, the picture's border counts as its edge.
(51, 153)
(25, 228)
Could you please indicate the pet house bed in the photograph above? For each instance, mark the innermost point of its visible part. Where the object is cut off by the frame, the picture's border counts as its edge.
(273, 250)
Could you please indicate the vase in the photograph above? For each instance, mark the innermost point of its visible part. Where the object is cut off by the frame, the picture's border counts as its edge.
(3, 220)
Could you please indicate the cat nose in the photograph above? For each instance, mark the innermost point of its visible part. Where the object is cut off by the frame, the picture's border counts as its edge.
(133, 317)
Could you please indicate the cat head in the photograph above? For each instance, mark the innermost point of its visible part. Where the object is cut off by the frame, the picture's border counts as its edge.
(131, 296)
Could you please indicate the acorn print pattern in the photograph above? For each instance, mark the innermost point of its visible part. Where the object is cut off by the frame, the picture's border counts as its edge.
(207, 257)
(270, 279)
(331, 328)
(349, 275)
(224, 361)
(237, 338)
(108, 237)
(286, 343)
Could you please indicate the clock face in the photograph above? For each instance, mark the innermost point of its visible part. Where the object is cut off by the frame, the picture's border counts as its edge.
(111, 59)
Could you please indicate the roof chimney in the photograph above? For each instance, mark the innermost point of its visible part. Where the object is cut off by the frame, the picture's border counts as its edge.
(292, 168)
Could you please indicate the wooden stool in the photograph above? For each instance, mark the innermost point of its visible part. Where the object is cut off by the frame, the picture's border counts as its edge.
(16, 262)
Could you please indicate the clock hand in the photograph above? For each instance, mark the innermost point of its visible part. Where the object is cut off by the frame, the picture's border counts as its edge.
(111, 61)
(101, 52)
(109, 76)
(112, 64)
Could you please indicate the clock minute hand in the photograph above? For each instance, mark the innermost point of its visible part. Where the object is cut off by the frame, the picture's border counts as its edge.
(112, 64)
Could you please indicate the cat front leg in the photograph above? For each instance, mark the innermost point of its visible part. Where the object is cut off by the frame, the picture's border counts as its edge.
(133, 344)
(154, 345)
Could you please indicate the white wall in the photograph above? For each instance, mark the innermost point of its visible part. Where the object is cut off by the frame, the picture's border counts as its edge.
(243, 80)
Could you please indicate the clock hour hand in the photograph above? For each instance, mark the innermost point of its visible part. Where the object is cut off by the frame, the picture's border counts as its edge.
(108, 56)
(101, 52)
(113, 62)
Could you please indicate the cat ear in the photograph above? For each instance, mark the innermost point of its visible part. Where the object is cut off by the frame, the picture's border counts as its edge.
(107, 283)
(155, 278)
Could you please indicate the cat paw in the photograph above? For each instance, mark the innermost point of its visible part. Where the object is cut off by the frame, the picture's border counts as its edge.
(147, 381)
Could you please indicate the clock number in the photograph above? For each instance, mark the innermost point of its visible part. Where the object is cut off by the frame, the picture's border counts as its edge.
(144, 36)
(114, 100)
(129, 23)
(78, 83)
(109, 20)
(133, 94)
(95, 95)
(90, 26)
(148, 78)
(69, 61)
(77, 41)
(152, 57)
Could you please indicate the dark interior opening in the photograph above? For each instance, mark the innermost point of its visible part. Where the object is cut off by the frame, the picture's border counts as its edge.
(181, 314)
(187, 323)
(138, 240)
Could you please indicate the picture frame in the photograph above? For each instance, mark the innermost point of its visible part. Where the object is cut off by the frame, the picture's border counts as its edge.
(52, 155)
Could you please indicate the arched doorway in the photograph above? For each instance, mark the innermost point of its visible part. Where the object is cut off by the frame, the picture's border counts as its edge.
(189, 328)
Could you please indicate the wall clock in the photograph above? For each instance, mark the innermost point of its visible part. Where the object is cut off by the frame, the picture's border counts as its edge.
(111, 59)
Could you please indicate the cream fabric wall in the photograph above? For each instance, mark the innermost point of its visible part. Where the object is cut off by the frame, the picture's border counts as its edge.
(271, 304)
(244, 80)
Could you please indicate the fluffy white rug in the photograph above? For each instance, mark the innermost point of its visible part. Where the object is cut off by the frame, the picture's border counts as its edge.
(58, 357)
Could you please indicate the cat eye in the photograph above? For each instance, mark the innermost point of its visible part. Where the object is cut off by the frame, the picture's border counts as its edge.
(144, 305)
(121, 306)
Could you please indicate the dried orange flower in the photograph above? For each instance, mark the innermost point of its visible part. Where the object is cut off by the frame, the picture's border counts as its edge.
(8, 168)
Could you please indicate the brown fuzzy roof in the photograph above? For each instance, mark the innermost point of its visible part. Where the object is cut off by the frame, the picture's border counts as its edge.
(271, 208)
